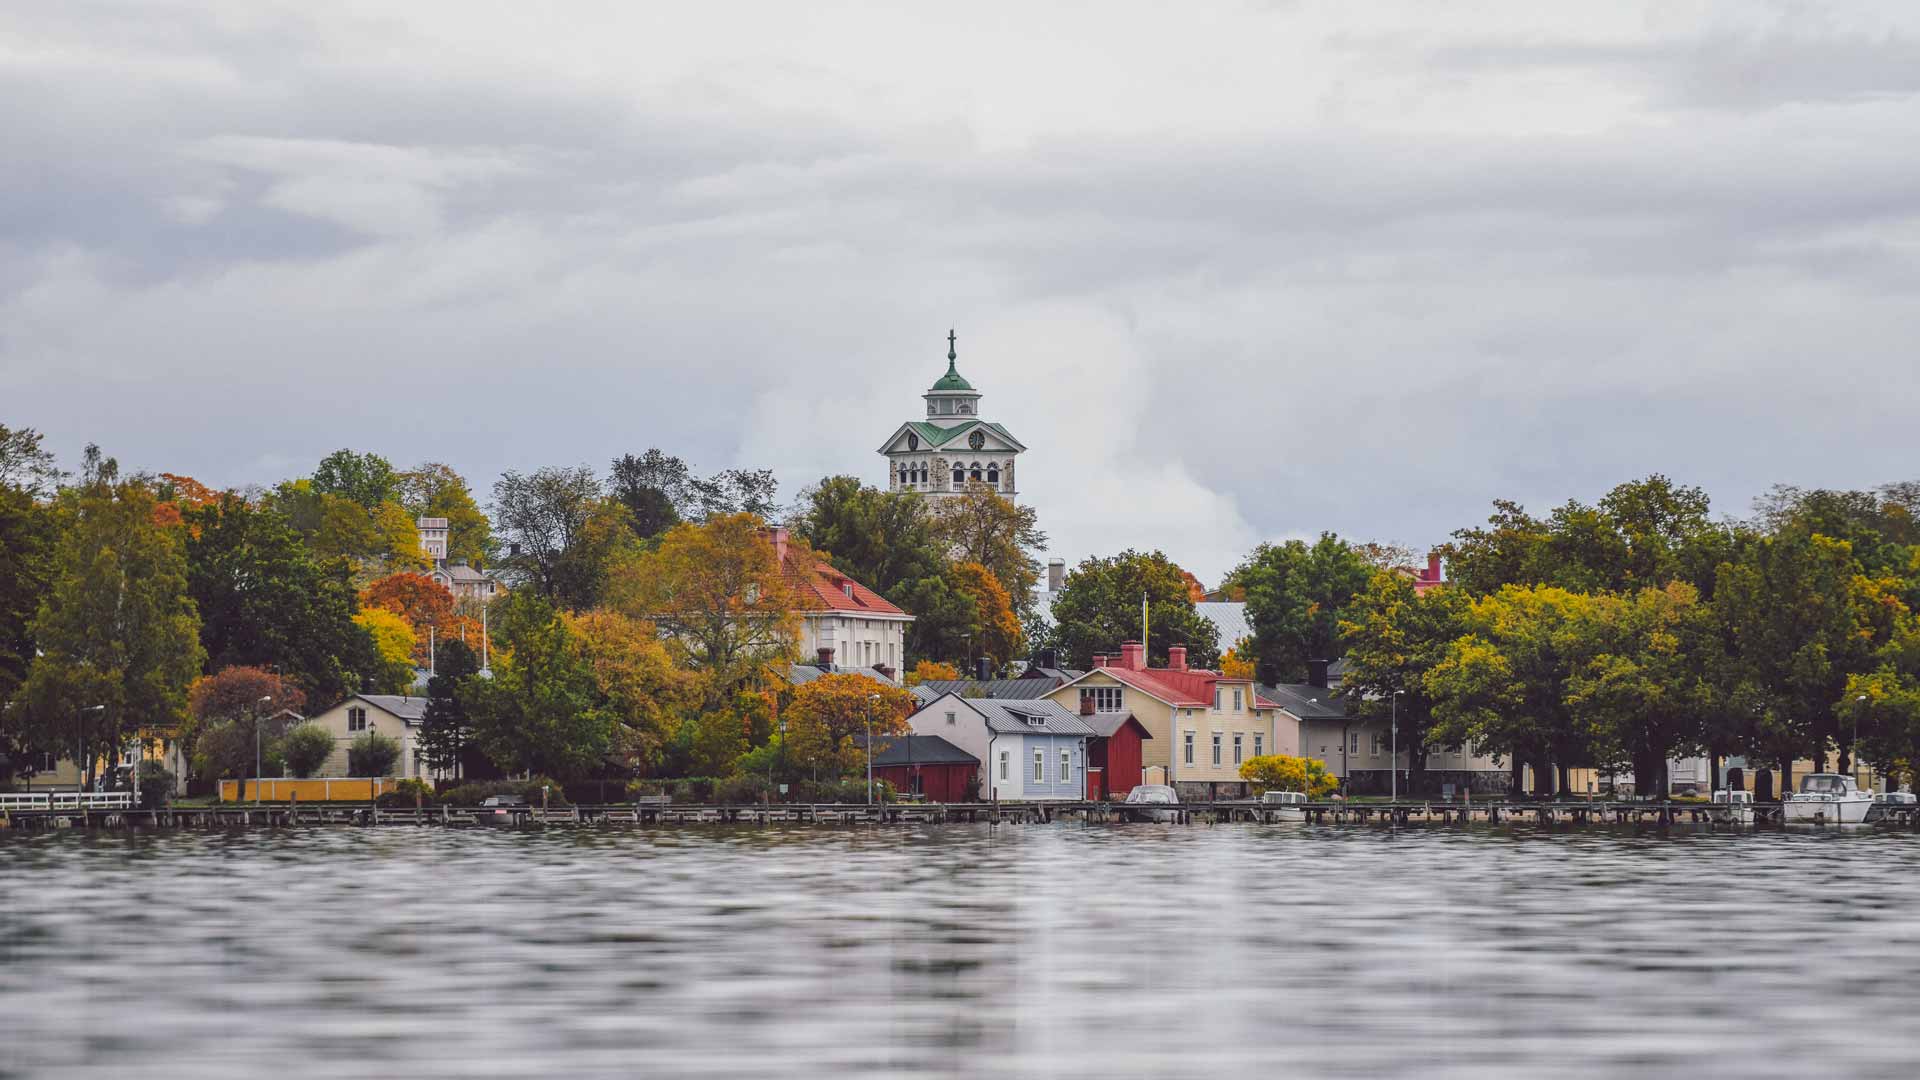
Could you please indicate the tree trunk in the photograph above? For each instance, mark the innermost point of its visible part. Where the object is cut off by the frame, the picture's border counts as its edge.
(1416, 768)
(1543, 777)
(1513, 781)
(1786, 778)
(1820, 758)
(1713, 772)
(1566, 780)
(1763, 786)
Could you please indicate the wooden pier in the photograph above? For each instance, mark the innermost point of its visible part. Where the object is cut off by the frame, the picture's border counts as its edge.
(657, 813)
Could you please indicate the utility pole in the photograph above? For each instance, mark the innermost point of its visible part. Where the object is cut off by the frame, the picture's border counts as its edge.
(256, 747)
(1393, 755)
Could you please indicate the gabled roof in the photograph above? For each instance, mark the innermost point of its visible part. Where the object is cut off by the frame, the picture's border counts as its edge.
(993, 688)
(916, 750)
(1299, 699)
(1106, 724)
(1009, 716)
(820, 587)
(1190, 689)
(1227, 617)
(403, 706)
(933, 436)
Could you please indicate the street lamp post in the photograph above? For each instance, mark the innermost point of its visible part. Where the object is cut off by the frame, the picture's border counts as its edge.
(1853, 746)
(1393, 755)
(257, 770)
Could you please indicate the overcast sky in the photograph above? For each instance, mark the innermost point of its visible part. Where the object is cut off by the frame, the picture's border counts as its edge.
(1233, 271)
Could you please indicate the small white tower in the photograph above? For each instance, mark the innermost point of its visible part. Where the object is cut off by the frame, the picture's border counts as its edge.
(952, 449)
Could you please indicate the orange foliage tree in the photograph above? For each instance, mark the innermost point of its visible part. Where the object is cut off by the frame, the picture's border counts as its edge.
(996, 629)
(636, 679)
(827, 715)
(931, 671)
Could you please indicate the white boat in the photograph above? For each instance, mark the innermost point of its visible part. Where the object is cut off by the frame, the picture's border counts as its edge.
(1827, 799)
(1733, 807)
(1283, 806)
(1145, 795)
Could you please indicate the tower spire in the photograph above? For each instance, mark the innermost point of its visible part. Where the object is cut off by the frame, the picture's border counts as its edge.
(951, 355)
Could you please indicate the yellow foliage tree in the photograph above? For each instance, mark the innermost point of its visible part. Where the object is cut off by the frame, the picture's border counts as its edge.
(637, 678)
(718, 592)
(996, 629)
(1233, 667)
(1280, 772)
(828, 713)
(931, 671)
(394, 640)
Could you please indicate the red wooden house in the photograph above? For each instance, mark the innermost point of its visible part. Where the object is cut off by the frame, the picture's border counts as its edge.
(1113, 753)
(925, 765)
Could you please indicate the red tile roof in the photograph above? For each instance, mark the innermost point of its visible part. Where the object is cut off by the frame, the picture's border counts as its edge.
(1192, 687)
(822, 588)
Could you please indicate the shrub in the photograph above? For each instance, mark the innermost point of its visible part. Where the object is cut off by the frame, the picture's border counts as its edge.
(407, 792)
(306, 748)
(372, 754)
(740, 789)
(156, 783)
(471, 794)
(1279, 772)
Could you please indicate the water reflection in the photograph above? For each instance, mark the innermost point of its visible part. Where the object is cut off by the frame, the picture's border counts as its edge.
(1050, 951)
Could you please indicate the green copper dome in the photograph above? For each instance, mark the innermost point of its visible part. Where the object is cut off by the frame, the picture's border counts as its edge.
(952, 380)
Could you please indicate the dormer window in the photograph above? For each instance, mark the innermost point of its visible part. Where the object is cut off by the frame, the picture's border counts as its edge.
(847, 587)
(1036, 721)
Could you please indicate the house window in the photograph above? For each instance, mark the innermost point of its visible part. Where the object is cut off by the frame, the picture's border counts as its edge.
(1373, 747)
(959, 475)
(976, 470)
(1216, 749)
(1066, 766)
(1236, 698)
(951, 717)
(356, 719)
(993, 474)
(1005, 768)
(1236, 748)
(1216, 699)
(1257, 749)
(1187, 745)
(1039, 766)
(1105, 698)
(1353, 745)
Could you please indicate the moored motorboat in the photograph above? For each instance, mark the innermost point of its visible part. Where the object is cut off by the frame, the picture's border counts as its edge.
(1734, 807)
(1827, 799)
(1283, 806)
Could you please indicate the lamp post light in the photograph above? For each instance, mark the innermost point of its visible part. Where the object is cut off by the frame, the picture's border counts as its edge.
(256, 747)
(1393, 755)
(1853, 746)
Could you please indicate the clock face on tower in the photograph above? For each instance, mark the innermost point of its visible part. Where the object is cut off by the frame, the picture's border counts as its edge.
(977, 440)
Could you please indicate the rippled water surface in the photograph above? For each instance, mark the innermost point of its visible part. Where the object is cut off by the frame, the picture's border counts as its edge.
(1058, 950)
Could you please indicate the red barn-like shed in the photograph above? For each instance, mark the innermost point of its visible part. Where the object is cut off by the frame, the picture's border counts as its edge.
(925, 765)
(1113, 754)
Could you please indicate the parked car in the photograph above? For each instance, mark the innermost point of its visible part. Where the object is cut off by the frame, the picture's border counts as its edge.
(501, 808)
(1151, 795)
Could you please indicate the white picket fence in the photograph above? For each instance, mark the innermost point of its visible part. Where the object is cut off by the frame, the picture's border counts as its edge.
(65, 800)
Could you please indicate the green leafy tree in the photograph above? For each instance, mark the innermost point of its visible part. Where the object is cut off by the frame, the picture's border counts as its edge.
(305, 749)
(542, 710)
(1643, 694)
(565, 531)
(117, 627)
(982, 526)
(265, 603)
(373, 754)
(1296, 595)
(367, 479)
(1099, 607)
(1394, 637)
(27, 536)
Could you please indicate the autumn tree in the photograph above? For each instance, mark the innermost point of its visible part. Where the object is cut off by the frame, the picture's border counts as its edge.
(1296, 595)
(117, 627)
(830, 717)
(394, 641)
(223, 710)
(637, 681)
(423, 602)
(1099, 607)
(982, 526)
(431, 489)
(1282, 772)
(719, 593)
(995, 633)
(27, 536)
(931, 671)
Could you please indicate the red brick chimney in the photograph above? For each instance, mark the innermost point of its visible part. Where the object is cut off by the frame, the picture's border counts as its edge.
(779, 538)
(1177, 657)
(1099, 659)
(1133, 655)
(825, 655)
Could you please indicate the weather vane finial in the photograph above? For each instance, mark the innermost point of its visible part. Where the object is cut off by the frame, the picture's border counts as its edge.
(951, 355)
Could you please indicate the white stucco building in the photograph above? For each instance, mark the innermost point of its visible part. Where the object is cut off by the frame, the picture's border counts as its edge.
(952, 449)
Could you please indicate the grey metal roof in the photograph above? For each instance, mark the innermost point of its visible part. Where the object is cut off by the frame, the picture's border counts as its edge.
(1228, 617)
(1105, 724)
(1011, 715)
(994, 688)
(801, 674)
(1298, 699)
(916, 750)
(406, 708)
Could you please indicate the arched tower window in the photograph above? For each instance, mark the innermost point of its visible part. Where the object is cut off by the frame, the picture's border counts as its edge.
(959, 475)
(976, 470)
(993, 473)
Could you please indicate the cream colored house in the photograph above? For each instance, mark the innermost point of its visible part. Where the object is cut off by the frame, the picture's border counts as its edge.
(391, 715)
(1203, 725)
